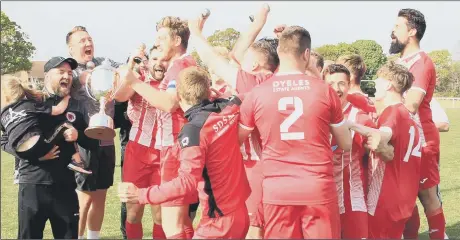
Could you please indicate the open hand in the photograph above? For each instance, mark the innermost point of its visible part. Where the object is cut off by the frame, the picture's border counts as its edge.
(128, 192)
(52, 154)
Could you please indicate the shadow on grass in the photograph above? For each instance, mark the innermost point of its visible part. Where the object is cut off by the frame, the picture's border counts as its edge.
(453, 232)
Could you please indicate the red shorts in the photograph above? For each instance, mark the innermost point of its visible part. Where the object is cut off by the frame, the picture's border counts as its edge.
(382, 226)
(429, 170)
(141, 165)
(170, 163)
(354, 225)
(234, 225)
(301, 222)
(253, 203)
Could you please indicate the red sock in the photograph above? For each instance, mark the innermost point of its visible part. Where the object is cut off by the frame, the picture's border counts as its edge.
(157, 232)
(180, 235)
(134, 231)
(412, 225)
(436, 223)
(188, 229)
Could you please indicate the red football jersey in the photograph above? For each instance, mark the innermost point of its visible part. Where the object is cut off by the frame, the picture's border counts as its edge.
(170, 124)
(293, 113)
(423, 69)
(245, 82)
(361, 101)
(143, 117)
(352, 159)
(210, 161)
(394, 185)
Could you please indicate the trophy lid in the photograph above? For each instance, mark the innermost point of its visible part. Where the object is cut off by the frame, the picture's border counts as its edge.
(106, 65)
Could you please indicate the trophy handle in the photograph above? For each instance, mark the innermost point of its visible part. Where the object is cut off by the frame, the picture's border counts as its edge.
(116, 87)
(86, 86)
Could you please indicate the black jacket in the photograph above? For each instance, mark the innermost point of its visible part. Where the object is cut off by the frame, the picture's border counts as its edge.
(54, 172)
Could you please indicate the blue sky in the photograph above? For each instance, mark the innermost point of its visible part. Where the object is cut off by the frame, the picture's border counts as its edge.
(118, 27)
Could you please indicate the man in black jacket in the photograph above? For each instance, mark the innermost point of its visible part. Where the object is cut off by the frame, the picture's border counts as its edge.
(46, 185)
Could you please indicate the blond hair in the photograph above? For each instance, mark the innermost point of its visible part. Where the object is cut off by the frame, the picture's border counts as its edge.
(355, 65)
(398, 75)
(194, 85)
(74, 30)
(177, 27)
(15, 89)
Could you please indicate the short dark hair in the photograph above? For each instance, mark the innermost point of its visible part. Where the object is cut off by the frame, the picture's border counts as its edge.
(415, 19)
(74, 30)
(319, 59)
(355, 64)
(267, 47)
(336, 68)
(294, 40)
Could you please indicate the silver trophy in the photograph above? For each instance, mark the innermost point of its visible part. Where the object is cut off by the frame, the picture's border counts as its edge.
(100, 86)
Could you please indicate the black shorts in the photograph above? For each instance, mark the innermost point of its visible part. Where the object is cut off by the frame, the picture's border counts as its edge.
(102, 164)
(38, 203)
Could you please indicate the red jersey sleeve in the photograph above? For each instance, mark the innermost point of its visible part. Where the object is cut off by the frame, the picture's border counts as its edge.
(245, 81)
(172, 74)
(247, 120)
(423, 73)
(192, 161)
(335, 108)
(388, 121)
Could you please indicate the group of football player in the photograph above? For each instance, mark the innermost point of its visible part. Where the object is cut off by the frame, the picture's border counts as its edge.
(276, 144)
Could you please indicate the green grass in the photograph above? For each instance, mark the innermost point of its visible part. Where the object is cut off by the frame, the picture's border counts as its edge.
(450, 189)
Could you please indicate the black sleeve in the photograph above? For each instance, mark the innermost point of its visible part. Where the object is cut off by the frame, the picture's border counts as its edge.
(6, 146)
(40, 149)
(43, 108)
(120, 117)
(81, 125)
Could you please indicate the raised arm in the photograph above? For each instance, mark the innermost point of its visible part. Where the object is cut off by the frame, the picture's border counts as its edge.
(219, 65)
(247, 38)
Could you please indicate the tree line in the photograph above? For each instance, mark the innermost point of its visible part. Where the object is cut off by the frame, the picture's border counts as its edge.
(16, 51)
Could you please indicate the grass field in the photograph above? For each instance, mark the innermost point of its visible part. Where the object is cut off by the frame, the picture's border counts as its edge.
(450, 189)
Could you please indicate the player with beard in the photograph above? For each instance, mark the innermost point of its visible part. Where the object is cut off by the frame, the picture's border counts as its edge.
(142, 159)
(406, 36)
(348, 165)
(394, 175)
(171, 41)
(46, 185)
(357, 68)
(92, 189)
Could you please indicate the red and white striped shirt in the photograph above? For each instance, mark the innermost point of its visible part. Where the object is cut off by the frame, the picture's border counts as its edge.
(351, 161)
(170, 124)
(143, 117)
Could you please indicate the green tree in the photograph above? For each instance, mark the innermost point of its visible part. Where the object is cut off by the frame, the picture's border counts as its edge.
(224, 38)
(332, 52)
(442, 60)
(373, 56)
(15, 47)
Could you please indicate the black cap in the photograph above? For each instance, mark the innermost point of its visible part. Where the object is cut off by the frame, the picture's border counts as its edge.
(56, 61)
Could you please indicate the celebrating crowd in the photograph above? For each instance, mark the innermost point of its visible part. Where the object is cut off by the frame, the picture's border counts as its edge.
(268, 139)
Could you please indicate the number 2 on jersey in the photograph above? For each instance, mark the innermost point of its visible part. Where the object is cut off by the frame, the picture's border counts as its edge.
(416, 151)
(292, 118)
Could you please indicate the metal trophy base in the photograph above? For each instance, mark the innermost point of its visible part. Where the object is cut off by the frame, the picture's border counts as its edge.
(100, 127)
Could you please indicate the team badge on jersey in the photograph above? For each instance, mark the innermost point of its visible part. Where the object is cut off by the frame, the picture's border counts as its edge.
(70, 117)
